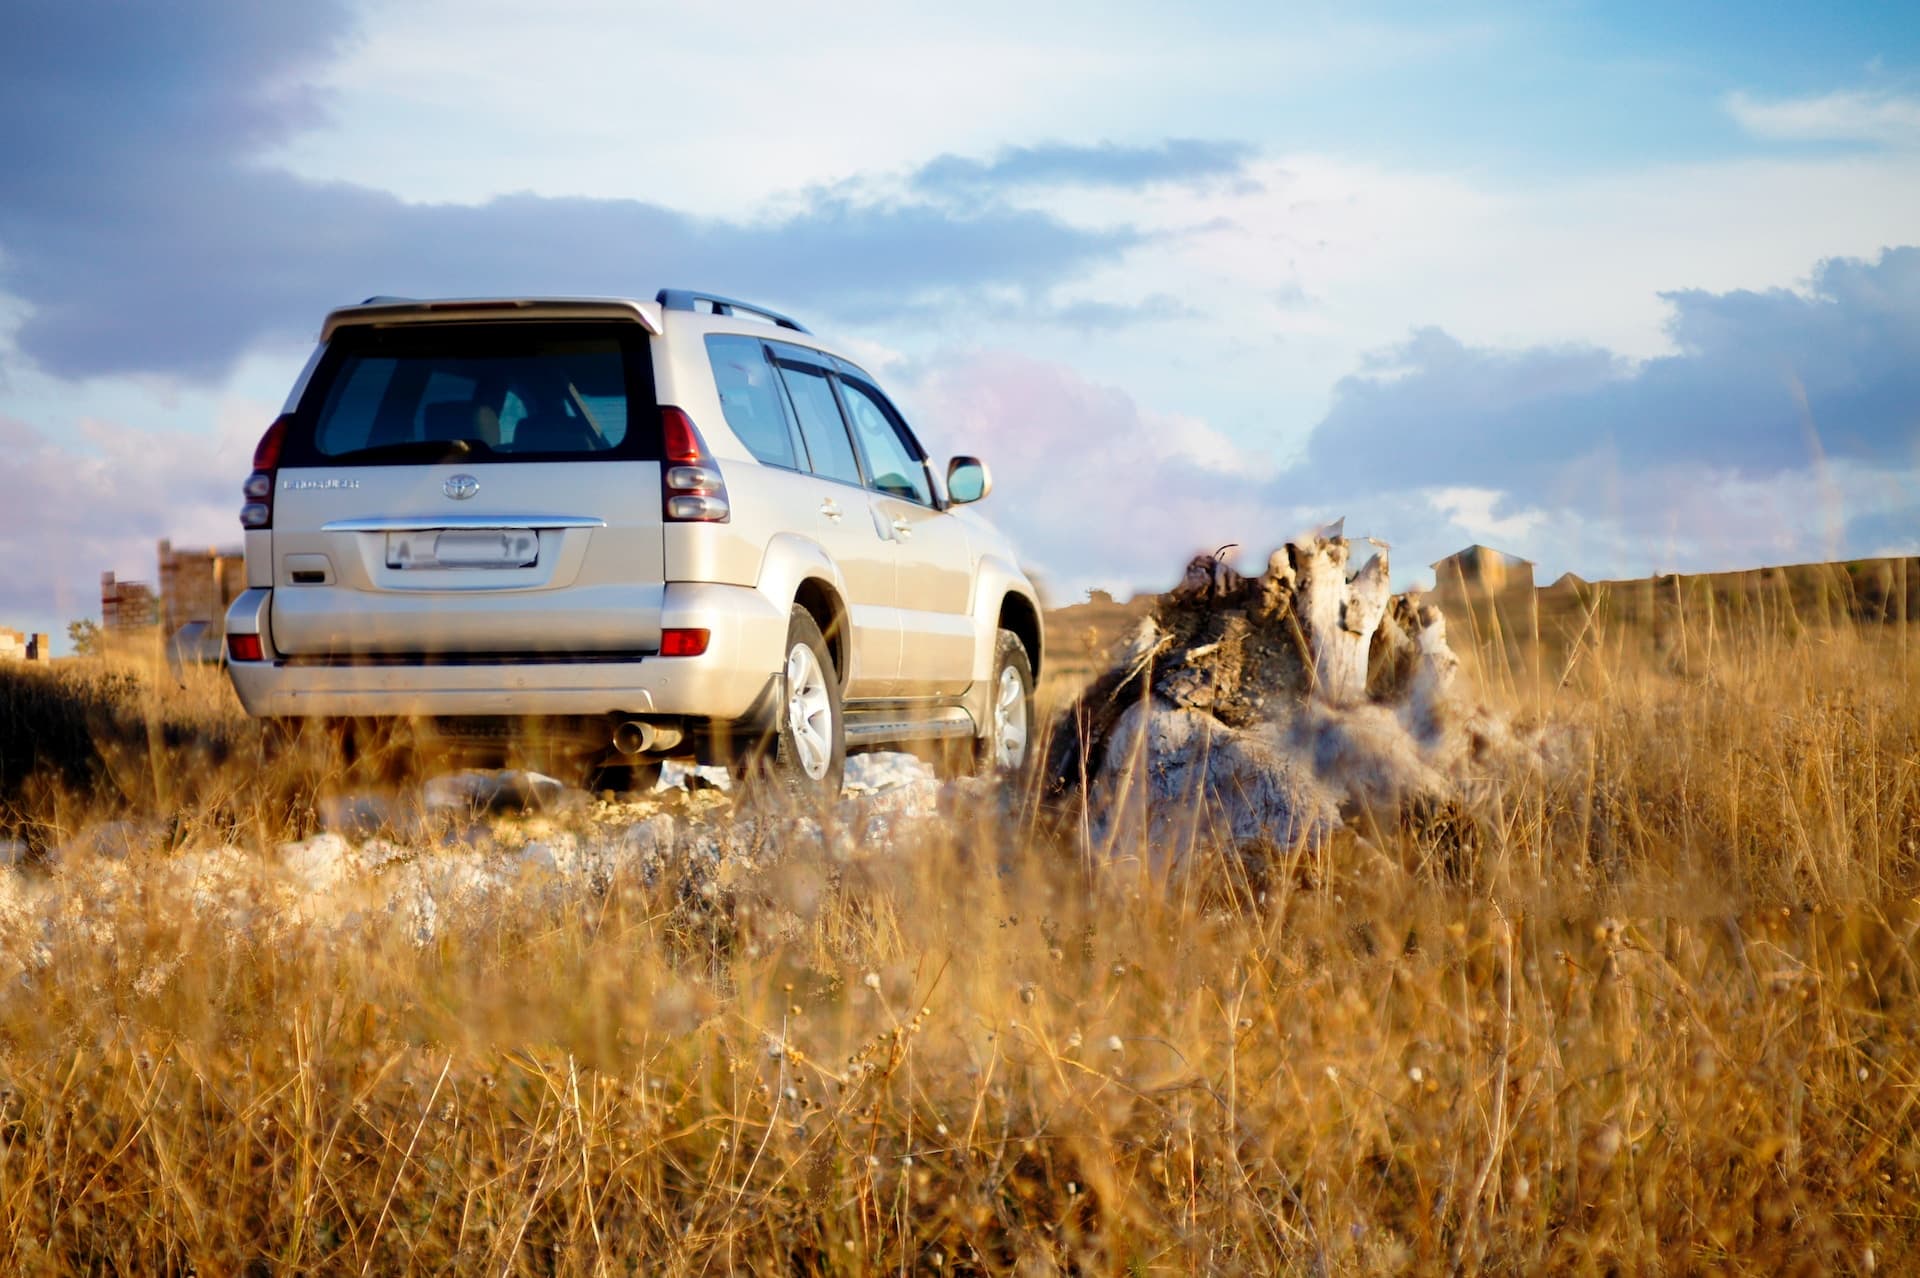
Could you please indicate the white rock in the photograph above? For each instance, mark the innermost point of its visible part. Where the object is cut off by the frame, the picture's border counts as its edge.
(676, 775)
(885, 770)
(537, 857)
(475, 790)
(321, 863)
(652, 837)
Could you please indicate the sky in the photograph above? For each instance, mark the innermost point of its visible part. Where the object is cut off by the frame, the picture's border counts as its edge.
(1618, 288)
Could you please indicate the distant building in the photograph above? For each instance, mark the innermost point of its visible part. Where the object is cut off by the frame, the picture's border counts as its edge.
(189, 610)
(126, 605)
(17, 645)
(1479, 572)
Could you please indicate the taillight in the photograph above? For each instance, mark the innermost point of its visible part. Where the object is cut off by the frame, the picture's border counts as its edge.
(258, 490)
(683, 643)
(693, 491)
(245, 648)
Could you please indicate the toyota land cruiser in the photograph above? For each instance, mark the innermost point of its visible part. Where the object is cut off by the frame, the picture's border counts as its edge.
(667, 528)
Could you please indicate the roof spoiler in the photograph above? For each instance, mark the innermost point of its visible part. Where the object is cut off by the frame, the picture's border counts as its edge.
(406, 310)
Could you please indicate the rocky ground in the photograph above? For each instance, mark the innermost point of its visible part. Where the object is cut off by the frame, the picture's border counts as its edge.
(452, 853)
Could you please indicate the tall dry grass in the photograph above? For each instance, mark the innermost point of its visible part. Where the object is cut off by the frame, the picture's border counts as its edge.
(1658, 1014)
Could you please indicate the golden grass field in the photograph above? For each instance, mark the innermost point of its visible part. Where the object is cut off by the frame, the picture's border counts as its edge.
(1659, 1015)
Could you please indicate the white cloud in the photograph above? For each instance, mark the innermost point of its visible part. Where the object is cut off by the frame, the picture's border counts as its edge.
(1843, 116)
(717, 109)
(102, 495)
(1095, 490)
(1472, 511)
(1381, 250)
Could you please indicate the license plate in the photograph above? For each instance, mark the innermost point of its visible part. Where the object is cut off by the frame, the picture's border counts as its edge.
(464, 548)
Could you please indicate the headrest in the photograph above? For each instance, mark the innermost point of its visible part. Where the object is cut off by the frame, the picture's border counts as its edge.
(553, 433)
(452, 419)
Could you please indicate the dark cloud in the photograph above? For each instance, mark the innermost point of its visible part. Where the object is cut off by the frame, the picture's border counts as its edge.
(142, 90)
(1761, 383)
(1063, 164)
(145, 237)
(190, 279)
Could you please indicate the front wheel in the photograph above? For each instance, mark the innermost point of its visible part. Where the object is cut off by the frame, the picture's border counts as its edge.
(1009, 739)
(809, 755)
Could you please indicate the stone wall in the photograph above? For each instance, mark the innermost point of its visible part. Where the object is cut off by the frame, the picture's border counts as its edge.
(197, 585)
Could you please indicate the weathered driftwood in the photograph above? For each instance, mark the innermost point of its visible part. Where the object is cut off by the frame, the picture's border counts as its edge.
(1270, 709)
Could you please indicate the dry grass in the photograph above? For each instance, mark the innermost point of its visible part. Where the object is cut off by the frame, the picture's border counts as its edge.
(1661, 1015)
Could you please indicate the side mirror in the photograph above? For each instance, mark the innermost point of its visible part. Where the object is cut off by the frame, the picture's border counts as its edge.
(967, 480)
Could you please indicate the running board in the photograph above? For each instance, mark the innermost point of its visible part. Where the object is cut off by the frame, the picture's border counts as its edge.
(865, 728)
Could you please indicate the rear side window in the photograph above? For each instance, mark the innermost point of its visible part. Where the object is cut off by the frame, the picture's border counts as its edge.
(478, 393)
(821, 424)
(751, 398)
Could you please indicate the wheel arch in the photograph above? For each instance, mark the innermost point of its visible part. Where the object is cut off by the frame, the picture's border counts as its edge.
(829, 612)
(1021, 615)
(796, 570)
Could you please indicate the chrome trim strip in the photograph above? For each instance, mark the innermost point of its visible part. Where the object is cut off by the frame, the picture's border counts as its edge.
(376, 660)
(892, 729)
(430, 523)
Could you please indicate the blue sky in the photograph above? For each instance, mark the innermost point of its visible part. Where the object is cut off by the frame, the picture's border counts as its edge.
(1620, 288)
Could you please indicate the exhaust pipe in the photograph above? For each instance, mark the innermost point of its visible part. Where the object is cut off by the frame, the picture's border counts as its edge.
(636, 737)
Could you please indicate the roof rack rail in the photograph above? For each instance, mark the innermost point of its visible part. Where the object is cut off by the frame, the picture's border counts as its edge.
(685, 299)
(380, 298)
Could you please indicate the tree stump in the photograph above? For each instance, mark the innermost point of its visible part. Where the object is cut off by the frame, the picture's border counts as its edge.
(1270, 709)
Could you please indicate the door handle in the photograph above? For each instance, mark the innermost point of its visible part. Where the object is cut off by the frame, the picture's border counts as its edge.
(831, 509)
(902, 529)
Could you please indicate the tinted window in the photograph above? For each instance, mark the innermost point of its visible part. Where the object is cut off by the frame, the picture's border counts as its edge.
(354, 404)
(751, 399)
(820, 423)
(478, 392)
(891, 464)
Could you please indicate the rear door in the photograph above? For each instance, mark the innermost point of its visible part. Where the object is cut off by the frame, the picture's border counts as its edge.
(844, 520)
(477, 488)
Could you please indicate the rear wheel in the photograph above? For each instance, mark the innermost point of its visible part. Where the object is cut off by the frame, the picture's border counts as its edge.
(809, 754)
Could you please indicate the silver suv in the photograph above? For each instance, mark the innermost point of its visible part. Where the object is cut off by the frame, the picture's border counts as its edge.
(645, 529)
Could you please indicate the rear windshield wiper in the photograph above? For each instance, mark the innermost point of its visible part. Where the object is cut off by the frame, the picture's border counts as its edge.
(416, 450)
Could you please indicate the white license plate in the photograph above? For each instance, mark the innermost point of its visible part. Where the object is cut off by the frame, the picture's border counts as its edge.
(464, 548)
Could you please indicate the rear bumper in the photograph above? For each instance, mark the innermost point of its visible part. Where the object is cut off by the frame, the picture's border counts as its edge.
(726, 682)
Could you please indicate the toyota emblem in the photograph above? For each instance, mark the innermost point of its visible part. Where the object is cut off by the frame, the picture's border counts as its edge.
(461, 487)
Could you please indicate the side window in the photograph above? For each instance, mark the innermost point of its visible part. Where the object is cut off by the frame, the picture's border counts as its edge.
(820, 423)
(892, 467)
(750, 398)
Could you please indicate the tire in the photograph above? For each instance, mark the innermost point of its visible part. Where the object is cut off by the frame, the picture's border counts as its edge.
(808, 758)
(1007, 746)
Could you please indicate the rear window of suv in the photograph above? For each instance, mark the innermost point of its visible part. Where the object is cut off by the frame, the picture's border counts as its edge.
(479, 392)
